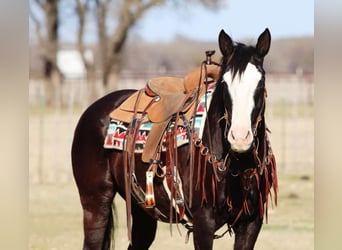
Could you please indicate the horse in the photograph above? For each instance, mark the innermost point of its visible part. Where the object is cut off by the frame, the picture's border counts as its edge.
(224, 176)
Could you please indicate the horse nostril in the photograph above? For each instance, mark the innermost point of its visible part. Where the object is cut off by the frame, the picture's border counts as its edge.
(233, 137)
(247, 135)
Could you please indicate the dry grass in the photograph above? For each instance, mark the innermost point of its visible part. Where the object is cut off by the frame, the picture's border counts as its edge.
(56, 219)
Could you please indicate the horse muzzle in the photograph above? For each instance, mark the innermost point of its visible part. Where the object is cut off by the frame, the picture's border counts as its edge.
(240, 139)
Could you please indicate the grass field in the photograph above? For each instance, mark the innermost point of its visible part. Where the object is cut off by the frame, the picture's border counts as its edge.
(55, 216)
(56, 219)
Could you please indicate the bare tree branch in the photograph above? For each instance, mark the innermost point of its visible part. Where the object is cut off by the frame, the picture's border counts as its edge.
(129, 13)
(49, 46)
(40, 3)
(37, 25)
(82, 11)
(144, 7)
(101, 15)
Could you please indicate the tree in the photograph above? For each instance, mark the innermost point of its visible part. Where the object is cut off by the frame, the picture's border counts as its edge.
(111, 42)
(82, 9)
(110, 39)
(49, 45)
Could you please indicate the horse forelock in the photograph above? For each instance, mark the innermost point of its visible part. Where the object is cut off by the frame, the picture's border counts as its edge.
(238, 61)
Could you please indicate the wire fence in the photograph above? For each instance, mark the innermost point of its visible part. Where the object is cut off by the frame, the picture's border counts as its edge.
(289, 116)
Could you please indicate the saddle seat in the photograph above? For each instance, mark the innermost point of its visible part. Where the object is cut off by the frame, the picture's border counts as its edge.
(161, 98)
(162, 92)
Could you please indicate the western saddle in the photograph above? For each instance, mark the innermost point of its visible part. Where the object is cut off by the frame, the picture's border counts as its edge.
(161, 98)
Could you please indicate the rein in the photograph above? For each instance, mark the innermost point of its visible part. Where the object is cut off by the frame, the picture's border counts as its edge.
(193, 137)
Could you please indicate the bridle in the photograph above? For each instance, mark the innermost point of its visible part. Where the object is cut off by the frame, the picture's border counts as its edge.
(255, 126)
(220, 166)
(255, 171)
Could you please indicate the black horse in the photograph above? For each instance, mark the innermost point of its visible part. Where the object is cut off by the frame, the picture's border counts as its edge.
(232, 166)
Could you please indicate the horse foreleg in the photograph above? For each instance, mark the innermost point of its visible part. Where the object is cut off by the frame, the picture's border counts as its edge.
(246, 234)
(204, 228)
(143, 229)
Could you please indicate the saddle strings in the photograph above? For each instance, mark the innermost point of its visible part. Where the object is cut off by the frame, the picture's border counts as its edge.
(204, 64)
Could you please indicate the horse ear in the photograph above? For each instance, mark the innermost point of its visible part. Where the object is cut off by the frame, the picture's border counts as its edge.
(226, 44)
(264, 43)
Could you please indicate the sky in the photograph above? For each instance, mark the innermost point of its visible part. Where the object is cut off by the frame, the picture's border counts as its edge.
(239, 18)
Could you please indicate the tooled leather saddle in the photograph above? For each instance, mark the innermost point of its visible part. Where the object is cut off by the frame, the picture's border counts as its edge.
(163, 97)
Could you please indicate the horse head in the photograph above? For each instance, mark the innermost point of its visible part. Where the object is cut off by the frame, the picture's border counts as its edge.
(243, 85)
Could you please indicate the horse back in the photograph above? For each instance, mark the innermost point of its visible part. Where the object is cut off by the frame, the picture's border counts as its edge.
(91, 129)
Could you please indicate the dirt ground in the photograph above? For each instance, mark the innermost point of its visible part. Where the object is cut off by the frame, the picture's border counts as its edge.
(55, 216)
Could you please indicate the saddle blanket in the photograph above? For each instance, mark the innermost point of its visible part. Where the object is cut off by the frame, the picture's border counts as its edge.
(116, 131)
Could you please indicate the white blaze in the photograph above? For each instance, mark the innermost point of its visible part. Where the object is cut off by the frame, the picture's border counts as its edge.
(241, 90)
